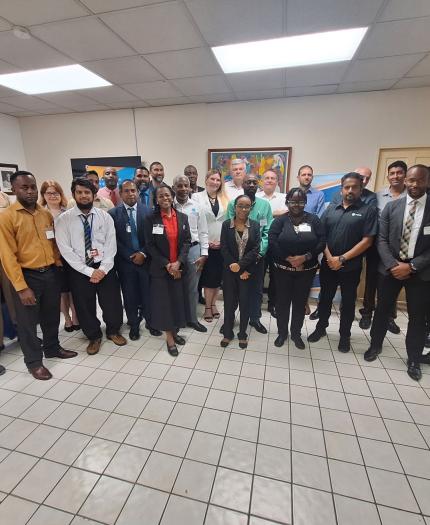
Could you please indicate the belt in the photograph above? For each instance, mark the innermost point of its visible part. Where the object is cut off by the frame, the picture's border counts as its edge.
(194, 243)
(42, 269)
(291, 269)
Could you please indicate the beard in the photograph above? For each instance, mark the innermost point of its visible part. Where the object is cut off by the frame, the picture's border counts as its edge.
(84, 207)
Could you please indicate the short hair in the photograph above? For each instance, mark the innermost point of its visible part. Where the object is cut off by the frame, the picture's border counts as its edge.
(126, 181)
(20, 173)
(237, 199)
(178, 177)
(92, 172)
(141, 168)
(47, 184)
(81, 181)
(157, 189)
(352, 175)
(398, 164)
(305, 166)
(421, 167)
(189, 166)
(234, 162)
(153, 164)
(292, 191)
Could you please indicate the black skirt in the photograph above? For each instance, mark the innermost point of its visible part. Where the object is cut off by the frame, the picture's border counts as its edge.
(212, 270)
(168, 304)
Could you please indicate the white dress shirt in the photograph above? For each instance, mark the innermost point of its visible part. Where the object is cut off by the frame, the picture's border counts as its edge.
(232, 190)
(69, 234)
(418, 219)
(197, 222)
(276, 200)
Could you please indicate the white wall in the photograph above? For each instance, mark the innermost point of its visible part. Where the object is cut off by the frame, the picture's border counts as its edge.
(332, 132)
(11, 146)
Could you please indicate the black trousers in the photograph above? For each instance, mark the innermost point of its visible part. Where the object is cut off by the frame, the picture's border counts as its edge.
(418, 304)
(256, 290)
(348, 282)
(292, 290)
(46, 312)
(85, 295)
(135, 286)
(271, 290)
(236, 293)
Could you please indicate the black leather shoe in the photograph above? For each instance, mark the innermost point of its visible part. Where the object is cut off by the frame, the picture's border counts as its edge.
(393, 327)
(198, 327)
(372, 353)
(425, 359)
(201, 299)
(314, 315)
(68, 328)
(2, 370)
(173, 351)
(134, 334)
(280, 340)
(258, 326)
(414, 371)
(179, 340)
(272, 311)
(427, 341)
(76, 327)
(365, 322)
(62, 353)
(316, 335)
(344, 345)
(153, 331)
(221, 330)
(298, 341)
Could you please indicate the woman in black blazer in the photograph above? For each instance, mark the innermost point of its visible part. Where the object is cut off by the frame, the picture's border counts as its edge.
(168, 240)
(240, 245)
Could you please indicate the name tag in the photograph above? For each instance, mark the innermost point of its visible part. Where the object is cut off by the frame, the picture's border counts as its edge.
(158, 229)
(128, 228)
(93, 253)
(50, 234)
(263, 222)
(305, 227)
(426, 230)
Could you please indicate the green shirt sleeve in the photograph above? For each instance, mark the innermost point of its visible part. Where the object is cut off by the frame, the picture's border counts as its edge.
(230, 210)
(264, 230)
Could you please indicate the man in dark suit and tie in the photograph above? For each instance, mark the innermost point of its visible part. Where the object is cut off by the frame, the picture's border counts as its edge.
(404, 248)
(131, 258)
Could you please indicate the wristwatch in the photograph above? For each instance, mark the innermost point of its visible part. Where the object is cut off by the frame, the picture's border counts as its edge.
(413, 268)
(342, 259)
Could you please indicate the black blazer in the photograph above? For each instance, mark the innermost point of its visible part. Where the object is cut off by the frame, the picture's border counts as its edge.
(230, 252)
(390, 233)
(120, 218)
(158, 245)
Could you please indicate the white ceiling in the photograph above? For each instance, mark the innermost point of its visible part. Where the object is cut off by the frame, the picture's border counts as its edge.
(157, 52)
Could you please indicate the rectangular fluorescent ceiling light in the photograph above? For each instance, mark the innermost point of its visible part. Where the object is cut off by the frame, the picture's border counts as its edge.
(290, 51)
(53, 79)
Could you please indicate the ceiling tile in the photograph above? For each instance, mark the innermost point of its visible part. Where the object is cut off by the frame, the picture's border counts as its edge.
(128, 105)
(4, 25)
(24, 113)
(174, 101)
(229, 22)
(70, 99)
(187, 63)
(260, 94)
(92, 107)
(202, 85)
(413, 82)
(324, 74)
(421, 69)
(377, 85)
(310, 90)
(309, 16)
(6, 92)
(127, 70)
(83, 39)
(31, 103)
(151, 90)
(398, 9)
(256, 80)
(217, 97)
(103, 6)
(381, 68)
(8, 108)
(29, 54)
(7, 68)
(397, 38)
(106, 95)
(25, 13)
(154, 28)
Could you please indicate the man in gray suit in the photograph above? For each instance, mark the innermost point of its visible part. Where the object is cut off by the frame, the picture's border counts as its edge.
(404, 248)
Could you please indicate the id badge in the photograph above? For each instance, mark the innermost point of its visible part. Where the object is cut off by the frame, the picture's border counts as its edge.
(50, 234)
(304, 227)
(93, 253)
(158, 229)
(426, 230)
(128, 228)
(263, 222)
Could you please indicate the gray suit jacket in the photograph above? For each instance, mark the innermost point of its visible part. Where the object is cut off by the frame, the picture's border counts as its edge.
(390, 233)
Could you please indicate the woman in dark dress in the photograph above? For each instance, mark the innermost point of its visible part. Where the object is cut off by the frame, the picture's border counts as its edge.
(240, 245)
(168, 240)
(295, 241)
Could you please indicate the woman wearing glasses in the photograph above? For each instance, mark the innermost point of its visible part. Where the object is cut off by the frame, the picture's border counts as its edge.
(240, 245)
(295, 240)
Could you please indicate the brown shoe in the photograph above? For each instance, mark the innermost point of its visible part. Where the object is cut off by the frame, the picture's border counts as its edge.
(94, 346)
(41, 373)
(117, 339)
(62, 353)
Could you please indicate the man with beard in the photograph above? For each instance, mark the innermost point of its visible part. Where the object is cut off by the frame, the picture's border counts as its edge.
(350, 228)
(262, 213)
(143, 185)
(99, 202)
(315, 198)
(191, 172)
(156, 170)
(110, 191)
(29, 256)
(86, 239)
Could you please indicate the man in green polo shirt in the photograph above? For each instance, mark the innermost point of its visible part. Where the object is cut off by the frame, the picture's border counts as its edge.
(262, 213)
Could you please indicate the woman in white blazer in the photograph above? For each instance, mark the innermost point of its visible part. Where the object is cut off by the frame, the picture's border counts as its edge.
(214, 202)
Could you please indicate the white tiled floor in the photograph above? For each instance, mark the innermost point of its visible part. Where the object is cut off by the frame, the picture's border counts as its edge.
(216, 437)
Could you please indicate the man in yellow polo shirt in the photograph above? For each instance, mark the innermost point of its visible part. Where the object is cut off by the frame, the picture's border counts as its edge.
(29, 257)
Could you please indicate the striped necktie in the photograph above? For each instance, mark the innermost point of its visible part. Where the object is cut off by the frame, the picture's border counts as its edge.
(88, 244)
(133, 230)
(407, 229)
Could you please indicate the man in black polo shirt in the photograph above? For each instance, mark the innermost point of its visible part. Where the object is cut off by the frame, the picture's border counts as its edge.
(350, 228)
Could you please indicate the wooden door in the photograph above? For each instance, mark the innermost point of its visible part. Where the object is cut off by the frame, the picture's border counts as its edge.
(411, 156)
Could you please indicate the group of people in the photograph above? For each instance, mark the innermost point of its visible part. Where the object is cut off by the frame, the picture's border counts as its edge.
(150, 246)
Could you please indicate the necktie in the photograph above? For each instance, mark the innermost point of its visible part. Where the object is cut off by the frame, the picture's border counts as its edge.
(406, 237)
(134, 237)
(88, 243)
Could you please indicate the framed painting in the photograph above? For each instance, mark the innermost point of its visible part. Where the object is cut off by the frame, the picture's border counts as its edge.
(6, 170)
(257, 160)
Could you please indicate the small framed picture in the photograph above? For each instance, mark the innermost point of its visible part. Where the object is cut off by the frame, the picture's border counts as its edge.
(6, 170)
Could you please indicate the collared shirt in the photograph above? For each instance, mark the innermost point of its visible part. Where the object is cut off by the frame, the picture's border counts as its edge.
(232, 190)
(367, 197)
(385, 196)
(171, 229)
(241, 240)
(99, 202)
(27, 241)
(418, 219)
(315, 202)
(112, 195)
(197, 222)
(261, 212)
(276, 200)
(69, 232)
(346, 227)
(146, 196)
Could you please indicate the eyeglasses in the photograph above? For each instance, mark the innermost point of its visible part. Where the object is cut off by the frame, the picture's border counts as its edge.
(52, 193)
(297, 203)
(243, 207)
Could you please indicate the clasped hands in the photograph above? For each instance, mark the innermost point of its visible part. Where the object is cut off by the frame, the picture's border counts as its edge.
(296, 261)
(334, 263)
(97, 276)
(174, 269)
(235, 268)
(401, 271)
